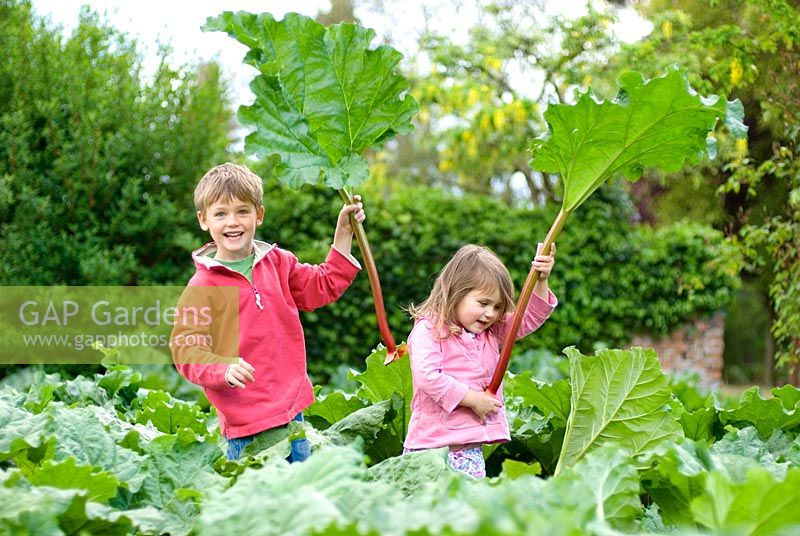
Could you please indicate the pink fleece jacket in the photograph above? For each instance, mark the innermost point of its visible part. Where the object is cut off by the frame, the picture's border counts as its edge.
(443, 370)
(270, 335)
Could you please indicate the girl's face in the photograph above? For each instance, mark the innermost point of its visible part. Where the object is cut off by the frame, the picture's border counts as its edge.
(479, 309)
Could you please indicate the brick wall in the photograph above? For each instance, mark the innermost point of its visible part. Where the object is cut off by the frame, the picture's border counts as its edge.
(695, 347)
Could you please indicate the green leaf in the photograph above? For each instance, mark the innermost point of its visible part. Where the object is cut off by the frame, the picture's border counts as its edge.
(743, 449)
(546, 447)
(364, 423)
(660, 123)
(413, 472)
(618, 398)
(297, 498)
(21, 430)
(552, 400)
(323, 96)
(603, 486)
(169, 414)
(351, 170)
(382, 382)
(268, 439)
(47, 510)
(33, 511)
(679, 475)
(151, 520)
(760, 505)
(699, 424)
(174, 465)
(334, 407)
(126, 435)
(178, 473)
(121, 382)
(789, 395)
(81, 391)
(100, 485)
(537, 414)
(41, 391)
(765, 414)
(514, 469)
(78, 433)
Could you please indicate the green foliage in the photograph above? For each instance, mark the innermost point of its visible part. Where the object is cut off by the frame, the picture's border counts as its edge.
(746, 330)
(618, 398)
(347, 417)
(84, 437)
(671, 275)
(759, 505)
(98, 170)
(478, 114)
(66, 468)
(658, 123)
(746, 49)
(766, 415)
(773, 245)
(322, 98)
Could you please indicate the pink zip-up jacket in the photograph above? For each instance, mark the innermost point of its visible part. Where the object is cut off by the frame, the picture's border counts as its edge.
(270, 335)
(443, 370)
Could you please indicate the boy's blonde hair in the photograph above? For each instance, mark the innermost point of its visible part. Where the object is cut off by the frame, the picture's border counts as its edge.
(228, 181)
(471, 267)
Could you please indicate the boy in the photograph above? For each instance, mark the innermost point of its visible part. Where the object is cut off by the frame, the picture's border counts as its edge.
(269, 385)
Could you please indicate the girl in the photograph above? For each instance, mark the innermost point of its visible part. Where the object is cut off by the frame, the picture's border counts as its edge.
(454, 348)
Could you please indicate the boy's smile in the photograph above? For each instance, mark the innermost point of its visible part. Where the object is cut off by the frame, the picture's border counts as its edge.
(232, 225)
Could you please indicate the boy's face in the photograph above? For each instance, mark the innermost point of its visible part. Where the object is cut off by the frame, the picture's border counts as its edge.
(232, 225)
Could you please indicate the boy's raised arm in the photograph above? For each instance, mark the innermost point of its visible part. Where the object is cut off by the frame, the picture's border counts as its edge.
(343, 235)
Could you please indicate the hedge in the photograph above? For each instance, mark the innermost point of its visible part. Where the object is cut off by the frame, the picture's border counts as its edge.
(612, 278)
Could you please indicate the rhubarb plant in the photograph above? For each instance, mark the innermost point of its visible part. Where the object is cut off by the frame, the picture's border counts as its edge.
(322, 98)
(657, 124)
(619, 398)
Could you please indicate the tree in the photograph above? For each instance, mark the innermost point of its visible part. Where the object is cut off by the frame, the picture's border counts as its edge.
(341, 11)
(482, 102)
(745, 49)
(98, 166)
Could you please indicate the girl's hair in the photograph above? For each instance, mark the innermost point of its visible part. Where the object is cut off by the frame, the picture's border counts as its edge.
(471, 267)
(228, 181)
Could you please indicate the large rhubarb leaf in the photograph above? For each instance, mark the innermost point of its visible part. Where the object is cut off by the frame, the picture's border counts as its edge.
(602, 487)
(679, 476)
(168, 414)
(99, 485)
(781, 412)
(388, 383)
(20, 430)
(47, 510)
(760, 505)
(78, 433)
(332, 408)
(323, 96)
(618, 398)
(660, 123)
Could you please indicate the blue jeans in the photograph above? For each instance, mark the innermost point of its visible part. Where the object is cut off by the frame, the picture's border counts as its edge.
(301, 449)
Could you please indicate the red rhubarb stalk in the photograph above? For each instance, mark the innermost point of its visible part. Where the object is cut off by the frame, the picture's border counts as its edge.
(393, 353)
(522, 304)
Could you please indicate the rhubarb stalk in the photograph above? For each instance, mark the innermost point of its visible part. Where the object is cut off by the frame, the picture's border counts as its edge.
(393, 353)
(522, 304)
(659, 124)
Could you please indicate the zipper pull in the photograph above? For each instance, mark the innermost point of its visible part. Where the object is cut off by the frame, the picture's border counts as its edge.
(258, 298)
